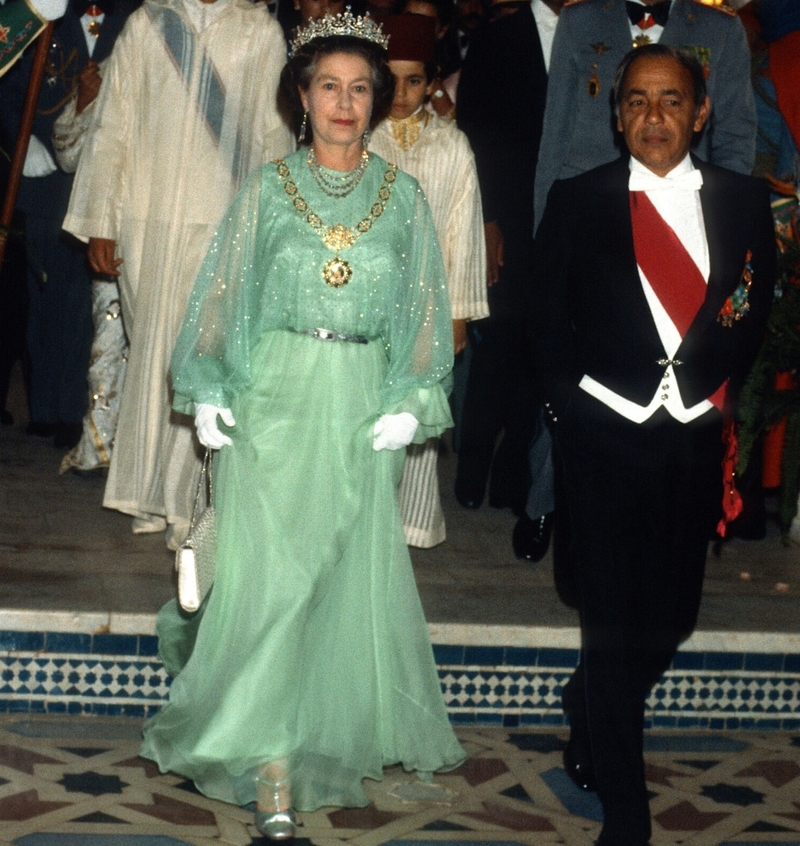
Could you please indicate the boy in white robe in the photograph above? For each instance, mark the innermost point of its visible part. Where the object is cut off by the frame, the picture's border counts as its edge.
(438, 155)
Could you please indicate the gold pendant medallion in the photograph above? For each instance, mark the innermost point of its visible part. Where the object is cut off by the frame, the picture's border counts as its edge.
(94, 28)
(336, 272)
(641, 40)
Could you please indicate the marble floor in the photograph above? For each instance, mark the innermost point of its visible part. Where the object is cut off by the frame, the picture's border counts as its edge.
(77, 781)
(61, 551)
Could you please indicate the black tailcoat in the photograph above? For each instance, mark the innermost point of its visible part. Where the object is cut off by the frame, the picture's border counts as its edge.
(501, 100)
(589, 306)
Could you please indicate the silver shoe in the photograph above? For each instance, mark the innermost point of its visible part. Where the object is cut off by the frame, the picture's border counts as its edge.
(276, 825)
(275, 818)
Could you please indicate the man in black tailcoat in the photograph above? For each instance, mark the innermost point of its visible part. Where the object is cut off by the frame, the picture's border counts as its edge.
(652, 285)
(501, 101)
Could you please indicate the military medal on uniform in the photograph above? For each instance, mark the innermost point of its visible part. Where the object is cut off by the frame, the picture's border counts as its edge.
(94, 12)
(737, 305)
(594, 80)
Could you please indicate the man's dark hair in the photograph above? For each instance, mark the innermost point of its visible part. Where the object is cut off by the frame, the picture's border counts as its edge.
(660, 51)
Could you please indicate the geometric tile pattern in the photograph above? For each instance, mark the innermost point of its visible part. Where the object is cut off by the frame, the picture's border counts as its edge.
(80, 679)
(115, 675)
(706, 789)
(524, 695)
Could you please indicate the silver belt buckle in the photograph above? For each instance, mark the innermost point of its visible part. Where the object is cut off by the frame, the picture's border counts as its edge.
(324, 334)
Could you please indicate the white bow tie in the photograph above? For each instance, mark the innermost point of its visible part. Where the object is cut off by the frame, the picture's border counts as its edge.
(689, 181)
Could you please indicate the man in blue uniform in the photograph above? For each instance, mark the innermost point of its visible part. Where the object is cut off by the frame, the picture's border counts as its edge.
(591, 39)
(59, 330)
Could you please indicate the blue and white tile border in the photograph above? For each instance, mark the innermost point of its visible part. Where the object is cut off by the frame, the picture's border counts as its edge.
(61, 662)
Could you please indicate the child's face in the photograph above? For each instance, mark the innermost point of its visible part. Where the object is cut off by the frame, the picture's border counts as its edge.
(411, 87)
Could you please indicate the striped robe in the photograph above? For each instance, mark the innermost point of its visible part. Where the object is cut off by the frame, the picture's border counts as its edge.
(442, 162)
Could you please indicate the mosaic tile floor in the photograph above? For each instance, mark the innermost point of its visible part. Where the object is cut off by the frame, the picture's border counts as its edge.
(77, 781)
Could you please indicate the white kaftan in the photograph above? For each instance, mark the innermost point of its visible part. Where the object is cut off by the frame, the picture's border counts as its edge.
(186, 110)
(442, 162)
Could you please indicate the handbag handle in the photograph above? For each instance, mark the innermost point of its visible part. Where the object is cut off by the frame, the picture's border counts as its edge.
(205, 471)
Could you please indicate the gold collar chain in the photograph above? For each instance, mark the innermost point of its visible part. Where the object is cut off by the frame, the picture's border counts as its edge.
(336, 271)
(406, 131)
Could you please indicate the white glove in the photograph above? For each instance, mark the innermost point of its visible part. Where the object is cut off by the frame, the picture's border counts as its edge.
(394, 431)
(205, 420)
(50, 10)
(38, 161)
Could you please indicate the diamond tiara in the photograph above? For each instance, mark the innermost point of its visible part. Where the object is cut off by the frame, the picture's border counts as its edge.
(342, 24)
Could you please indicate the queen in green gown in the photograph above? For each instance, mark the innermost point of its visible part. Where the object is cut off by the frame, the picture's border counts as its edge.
(312, 649)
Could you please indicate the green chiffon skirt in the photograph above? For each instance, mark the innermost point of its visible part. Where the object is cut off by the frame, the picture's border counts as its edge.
(312, 644)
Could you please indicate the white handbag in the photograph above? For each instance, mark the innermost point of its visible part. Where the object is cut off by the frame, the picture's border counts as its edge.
(195, 558)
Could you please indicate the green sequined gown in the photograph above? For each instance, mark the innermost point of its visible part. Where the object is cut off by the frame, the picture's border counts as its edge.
(312, 644)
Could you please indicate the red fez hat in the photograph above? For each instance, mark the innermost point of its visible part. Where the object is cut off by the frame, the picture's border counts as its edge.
(412, 38)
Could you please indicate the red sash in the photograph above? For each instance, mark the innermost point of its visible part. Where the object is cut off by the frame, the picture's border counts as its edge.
(681, 290)
(669, 268)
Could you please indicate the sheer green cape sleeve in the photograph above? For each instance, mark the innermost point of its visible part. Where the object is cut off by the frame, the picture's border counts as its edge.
(210, 361)
(263, 273)
(421, 351)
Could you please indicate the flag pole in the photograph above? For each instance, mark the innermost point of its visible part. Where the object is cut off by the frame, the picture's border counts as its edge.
(24, 136)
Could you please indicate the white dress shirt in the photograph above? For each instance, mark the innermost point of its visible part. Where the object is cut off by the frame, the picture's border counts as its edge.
(653, 32)
(546, 20)
(91, 40)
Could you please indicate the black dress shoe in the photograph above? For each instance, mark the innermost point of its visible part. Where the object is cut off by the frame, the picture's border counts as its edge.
(578, 765)
(67, 435)
(531, 538)
(6, 418)
(41, 430)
